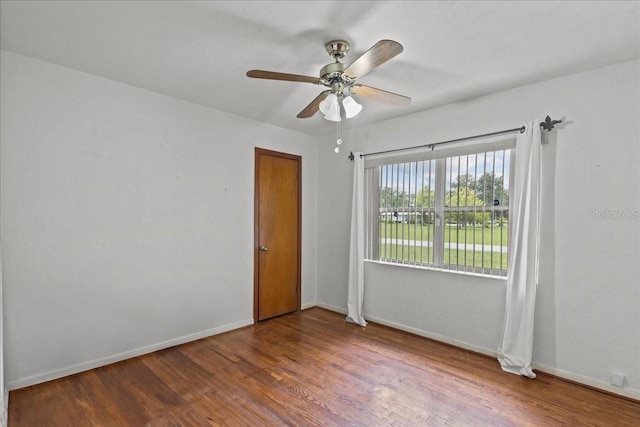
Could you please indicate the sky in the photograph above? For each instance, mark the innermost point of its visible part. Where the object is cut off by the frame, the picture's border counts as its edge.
(412, 177)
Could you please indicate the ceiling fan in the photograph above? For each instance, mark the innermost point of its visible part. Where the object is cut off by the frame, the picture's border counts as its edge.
(341, 80)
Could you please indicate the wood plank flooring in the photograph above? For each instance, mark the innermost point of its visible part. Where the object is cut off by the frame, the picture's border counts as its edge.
(308, 369)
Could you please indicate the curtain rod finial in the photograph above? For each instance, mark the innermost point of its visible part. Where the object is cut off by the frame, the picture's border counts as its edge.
(351, 156)
(549, 124)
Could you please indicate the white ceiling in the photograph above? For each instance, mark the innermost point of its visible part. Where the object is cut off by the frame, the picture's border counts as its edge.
(200, 51)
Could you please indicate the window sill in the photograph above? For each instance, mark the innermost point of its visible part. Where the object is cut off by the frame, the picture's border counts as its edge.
(438, 270)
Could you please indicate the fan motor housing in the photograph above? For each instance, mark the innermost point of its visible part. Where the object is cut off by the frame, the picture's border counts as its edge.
(332, 71)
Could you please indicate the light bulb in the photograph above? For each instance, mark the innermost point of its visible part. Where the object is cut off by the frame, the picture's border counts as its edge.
(337, 150)
(339, 141)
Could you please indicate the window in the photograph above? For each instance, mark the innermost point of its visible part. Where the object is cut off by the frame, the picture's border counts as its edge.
(444, 210)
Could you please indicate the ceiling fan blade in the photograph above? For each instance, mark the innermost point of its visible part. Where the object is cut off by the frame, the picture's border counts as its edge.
(272, 75)
(380, 53)
(313, 107)
(380, 95)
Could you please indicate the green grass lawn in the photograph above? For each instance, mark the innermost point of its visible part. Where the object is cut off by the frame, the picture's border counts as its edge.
(471, 235)
(424, 255)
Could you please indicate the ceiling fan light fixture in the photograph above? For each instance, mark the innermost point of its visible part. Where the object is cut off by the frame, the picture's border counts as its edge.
(334, 115)
(329, 104)
(351, 107)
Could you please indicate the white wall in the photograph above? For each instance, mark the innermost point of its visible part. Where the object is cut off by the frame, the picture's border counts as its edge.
(588, 306)
(4, 397)
(127, 218)
(112, 196)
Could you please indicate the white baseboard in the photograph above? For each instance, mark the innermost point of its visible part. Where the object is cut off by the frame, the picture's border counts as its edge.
(85, 366)
(414, 331)
(587, 381)
(332, 308)
(435, 337)
(308, 305)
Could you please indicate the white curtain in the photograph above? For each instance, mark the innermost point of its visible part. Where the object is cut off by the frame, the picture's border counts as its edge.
(516, 345)
(355, 300)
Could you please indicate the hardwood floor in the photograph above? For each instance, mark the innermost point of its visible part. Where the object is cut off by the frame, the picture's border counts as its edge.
(311, 368)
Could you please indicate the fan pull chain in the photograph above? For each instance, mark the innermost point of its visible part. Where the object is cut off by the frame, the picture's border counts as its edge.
(338, 139)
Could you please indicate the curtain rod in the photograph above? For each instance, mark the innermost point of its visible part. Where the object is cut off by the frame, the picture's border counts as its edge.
(547, 125)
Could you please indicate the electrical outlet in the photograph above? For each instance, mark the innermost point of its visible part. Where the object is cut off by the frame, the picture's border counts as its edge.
(617, 379)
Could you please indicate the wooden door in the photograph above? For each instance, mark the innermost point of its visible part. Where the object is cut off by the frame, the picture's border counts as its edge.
(277, 261)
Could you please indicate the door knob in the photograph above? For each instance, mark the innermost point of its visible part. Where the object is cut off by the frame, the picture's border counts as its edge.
(263, 248)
